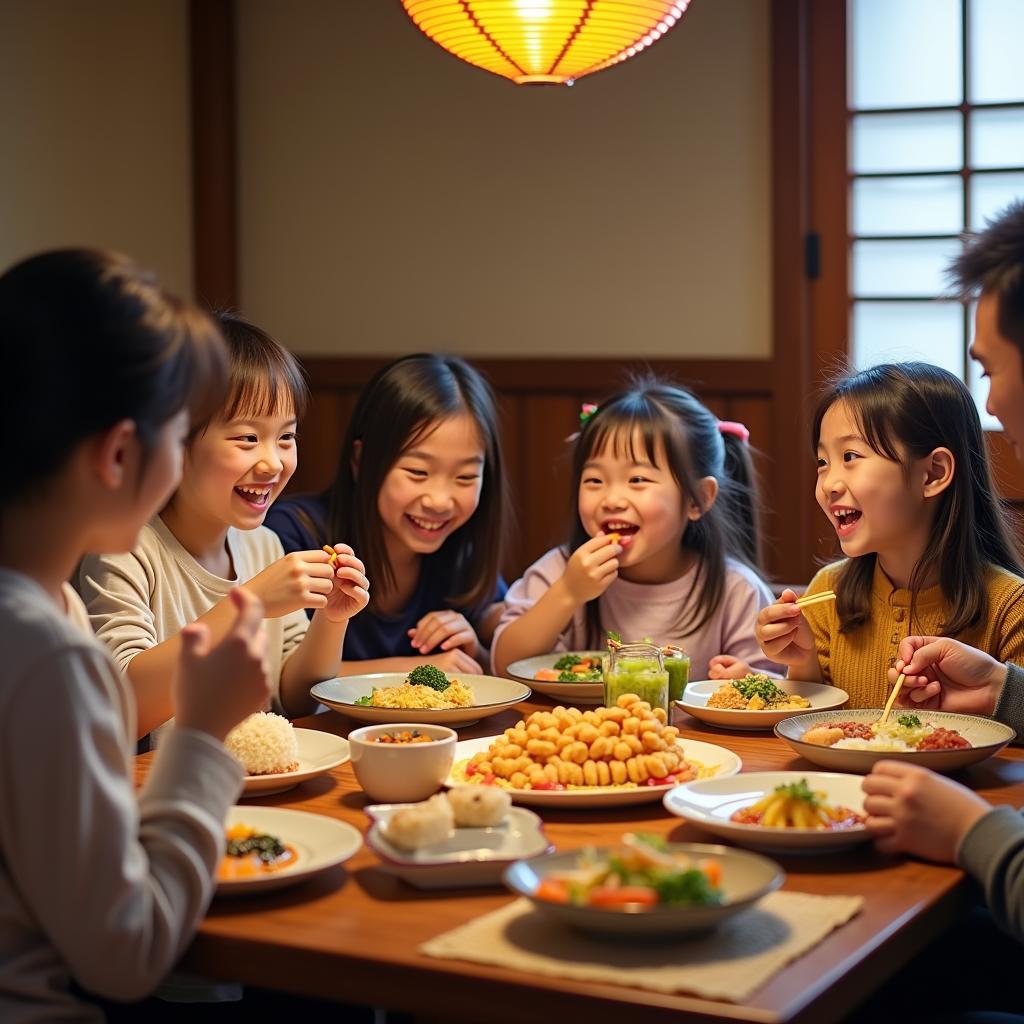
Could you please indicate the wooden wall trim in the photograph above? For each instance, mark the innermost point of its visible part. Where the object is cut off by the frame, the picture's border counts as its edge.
(214, 152)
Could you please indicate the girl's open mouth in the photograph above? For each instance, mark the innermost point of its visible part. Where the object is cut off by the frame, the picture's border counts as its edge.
(256, 497)
(846, 520)
(624, 532)
(427, 527)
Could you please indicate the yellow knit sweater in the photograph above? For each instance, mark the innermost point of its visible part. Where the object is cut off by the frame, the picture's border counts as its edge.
(858, 661)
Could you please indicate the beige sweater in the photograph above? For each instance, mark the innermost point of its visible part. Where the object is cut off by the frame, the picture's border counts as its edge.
(95, 884)
(141, 599)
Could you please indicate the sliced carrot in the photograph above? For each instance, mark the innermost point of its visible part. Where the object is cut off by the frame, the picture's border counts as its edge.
(713, 870)
(548, 674)
(623, 894)
(583, 666)
(553, 890)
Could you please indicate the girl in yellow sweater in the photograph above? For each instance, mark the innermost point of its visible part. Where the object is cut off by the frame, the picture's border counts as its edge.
(904, 477)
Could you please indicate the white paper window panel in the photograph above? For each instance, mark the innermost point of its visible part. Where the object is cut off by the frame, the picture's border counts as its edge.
(933, 205)
(996, 68)
(905, 53)
(992, 193)
(902, 268)
(927, 141)
(898, 332)
(997, 137)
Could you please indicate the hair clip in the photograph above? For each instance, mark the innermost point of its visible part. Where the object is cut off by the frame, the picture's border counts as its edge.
(587, 409)
(737, 429)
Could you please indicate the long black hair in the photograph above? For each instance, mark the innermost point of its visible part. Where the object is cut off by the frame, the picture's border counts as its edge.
(918, 407)
(88, 338)
(653, 414)
(402, 403)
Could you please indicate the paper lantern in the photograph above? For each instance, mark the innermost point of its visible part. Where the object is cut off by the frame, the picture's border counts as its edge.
(544, 41)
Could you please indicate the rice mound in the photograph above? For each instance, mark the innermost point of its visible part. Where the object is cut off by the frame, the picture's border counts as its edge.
(264, 744)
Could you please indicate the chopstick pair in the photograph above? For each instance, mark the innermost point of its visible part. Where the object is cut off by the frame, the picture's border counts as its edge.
(808, 599)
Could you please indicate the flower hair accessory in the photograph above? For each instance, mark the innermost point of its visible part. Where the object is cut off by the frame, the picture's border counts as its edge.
(737, 429)
(587, 409)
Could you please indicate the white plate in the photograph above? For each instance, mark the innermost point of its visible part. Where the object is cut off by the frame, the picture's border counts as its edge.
(318, 753)
(709, 755)
(696, 695)
(985, 735)
(471, 857)
(746, 877)
(491, 693)
(712, 802)
(320, 843)
(572, 693)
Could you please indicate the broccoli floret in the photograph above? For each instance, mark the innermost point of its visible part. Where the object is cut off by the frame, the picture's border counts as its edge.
(909, 721)
(567, 661)
(428, 675)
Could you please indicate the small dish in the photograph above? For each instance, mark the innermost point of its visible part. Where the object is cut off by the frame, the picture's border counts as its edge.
(711, 803)
(471, 857)
(696, 695)
(320, 843)
(746, 877)
(986, 736)
(722, 761)
(401, 772)
(491, 696)
(318, 752)
(526, 671)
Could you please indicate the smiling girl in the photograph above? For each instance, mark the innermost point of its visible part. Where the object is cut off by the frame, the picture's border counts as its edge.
(664, 540)
(904, 478)
(420, 492)
(209, 537)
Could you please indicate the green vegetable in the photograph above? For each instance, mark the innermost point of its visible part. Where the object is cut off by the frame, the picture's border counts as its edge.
(428, 675)
(909, 721)
(759, 685)
(567, 661)
(591, 676)
(612, 635)
(653, 840)
(798, 791)
(684, 887)
(366, 700)
(268, 848)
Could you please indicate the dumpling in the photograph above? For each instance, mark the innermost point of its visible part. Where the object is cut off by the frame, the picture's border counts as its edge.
(421, 825)
(476, 806)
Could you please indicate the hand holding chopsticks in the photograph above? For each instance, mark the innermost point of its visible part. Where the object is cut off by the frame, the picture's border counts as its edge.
(892, 698)
(822, 597)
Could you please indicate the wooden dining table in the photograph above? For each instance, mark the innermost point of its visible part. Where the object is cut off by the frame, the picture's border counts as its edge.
(352, 933)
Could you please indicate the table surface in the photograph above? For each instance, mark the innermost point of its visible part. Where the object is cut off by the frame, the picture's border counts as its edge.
(352, 932)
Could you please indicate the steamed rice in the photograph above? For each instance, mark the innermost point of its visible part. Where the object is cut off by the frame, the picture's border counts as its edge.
(264, 744)
(879, 743)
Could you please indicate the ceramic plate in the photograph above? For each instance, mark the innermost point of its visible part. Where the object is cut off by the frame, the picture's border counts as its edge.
(712, 802)
(723, 762)
(746, 877)
(318, 753)
(492, 695)
(985, 735)
(569, 693)
(471, 857)
(696, 695)
(319, 841)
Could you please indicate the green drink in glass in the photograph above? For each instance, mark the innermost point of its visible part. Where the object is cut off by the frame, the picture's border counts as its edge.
(677, 663)
(639, 669)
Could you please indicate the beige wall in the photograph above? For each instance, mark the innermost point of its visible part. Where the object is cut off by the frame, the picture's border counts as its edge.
(95, 136)
(393, 198)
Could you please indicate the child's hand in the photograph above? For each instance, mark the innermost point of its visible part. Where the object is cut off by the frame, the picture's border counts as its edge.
(351, 591)
(454, 661)
(592, 568)
(303, 579)
(913, 810)
(217, 687)
(446, 628)
(725, 666)
(946, 675)
(783, 632)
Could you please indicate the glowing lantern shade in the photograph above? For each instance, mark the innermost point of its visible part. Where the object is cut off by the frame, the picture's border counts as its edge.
(544, 41)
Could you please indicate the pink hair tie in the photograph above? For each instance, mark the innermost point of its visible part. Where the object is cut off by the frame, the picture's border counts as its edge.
(731, 427)
(587, 409)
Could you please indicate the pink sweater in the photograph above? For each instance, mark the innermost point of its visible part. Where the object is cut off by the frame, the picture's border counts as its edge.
(635, 610)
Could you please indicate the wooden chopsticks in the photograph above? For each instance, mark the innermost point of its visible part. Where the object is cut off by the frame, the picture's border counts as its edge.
(892, 698)
(808, 599)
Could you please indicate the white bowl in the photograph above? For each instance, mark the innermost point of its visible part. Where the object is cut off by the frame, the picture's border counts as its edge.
(392, 773)
(696, 696)
(470, 857)
(491, 694)
(746, 877)
(985, 735)
(711, 803)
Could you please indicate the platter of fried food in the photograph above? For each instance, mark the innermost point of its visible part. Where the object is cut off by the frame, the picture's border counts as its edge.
(795, 812)
(601, 757)
(852, 741)
(571, 676)
(756, 701)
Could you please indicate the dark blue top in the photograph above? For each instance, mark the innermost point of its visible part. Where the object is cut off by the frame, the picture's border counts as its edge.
(370, 635)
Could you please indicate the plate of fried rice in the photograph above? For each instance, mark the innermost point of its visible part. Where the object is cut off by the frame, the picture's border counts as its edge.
(852, 741)
(392, 697)
(757, 701)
